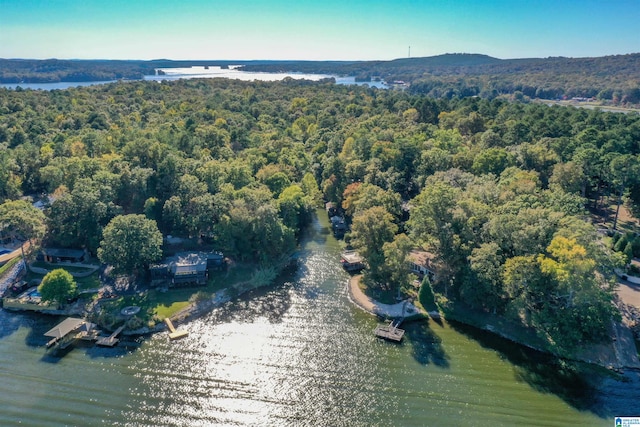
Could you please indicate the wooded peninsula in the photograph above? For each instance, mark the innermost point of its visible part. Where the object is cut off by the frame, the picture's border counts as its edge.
(505, 193)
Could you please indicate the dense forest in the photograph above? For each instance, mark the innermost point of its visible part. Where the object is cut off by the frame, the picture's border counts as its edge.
(614, 79)
(499, 191)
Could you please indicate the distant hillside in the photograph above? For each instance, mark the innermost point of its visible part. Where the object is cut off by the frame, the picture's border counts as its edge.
(55, 70)
(613, 79)
(66, 70)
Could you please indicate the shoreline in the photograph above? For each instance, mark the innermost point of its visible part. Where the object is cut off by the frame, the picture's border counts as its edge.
(618, 355)
(198, 309)
(401, 309)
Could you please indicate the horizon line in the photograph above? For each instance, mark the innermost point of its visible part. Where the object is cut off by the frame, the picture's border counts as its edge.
(310, 60)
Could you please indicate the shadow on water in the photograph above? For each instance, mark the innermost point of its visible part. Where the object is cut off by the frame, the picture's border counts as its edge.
(574, 382)
(55, 356)
(38, 324)
(426, 347)
(10, 322)
(320, 236)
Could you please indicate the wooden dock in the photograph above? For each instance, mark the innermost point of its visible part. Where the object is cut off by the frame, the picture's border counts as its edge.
(173, 333)
(111, 340)
(390, 332)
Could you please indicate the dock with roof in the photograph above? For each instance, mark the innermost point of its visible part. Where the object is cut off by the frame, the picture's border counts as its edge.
(68, 331)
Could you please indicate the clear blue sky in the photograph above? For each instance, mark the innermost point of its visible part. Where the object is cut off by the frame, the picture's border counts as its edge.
(316, 30)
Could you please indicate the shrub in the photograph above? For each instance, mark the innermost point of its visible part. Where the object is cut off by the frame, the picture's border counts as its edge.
(426, 297)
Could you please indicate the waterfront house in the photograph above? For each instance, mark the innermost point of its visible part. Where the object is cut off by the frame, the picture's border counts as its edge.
(186, 268)
(421, 263)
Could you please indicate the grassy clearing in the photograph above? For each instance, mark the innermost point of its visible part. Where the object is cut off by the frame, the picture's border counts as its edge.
(90, 282)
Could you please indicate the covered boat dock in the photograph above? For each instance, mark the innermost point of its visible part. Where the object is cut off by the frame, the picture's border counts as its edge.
(70, 329)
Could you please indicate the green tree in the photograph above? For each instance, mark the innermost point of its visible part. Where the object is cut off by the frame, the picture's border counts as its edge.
(76, 218)
(426, 296)
(371, 229)
(358, 197)
(310, 187)
(625, 170)
(57, 286)
(628, 251)
(251, 230)
(130, 242)
(395, 268)
(560, 294)
(20, 220)
(295, 208)
(433, 224)
(485, 287)
(569, 177)
(492, 160)
(10, 182)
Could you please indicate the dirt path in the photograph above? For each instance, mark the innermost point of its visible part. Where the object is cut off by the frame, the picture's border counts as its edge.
(16, 253)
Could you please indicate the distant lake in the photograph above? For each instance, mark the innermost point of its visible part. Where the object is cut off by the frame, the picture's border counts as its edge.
(201, 72)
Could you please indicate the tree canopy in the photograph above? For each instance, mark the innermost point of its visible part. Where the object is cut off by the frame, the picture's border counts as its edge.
(498, 189)
(19, 219)
(130, 242)
(57, 286)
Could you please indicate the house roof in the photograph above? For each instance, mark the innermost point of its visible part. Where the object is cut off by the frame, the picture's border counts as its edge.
(419, 257)
(188, 262)
(352, 257)
(67, 253)
(179, 269)
(63, 328)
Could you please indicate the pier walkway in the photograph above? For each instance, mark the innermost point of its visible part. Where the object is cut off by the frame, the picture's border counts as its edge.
(111, 340)
(173, 333)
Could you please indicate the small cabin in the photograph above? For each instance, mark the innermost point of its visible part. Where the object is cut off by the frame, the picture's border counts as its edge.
(421, 263)
(55, 255)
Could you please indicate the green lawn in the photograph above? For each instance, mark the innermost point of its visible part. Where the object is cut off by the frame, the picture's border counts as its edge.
(90, 282)
(157, 305)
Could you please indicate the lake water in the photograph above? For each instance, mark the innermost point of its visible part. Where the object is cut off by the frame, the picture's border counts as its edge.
(202, 72)
(299, 354)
